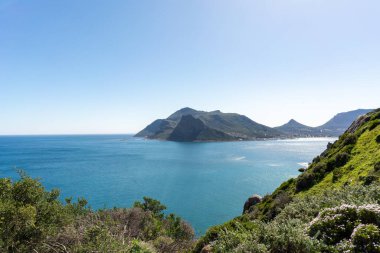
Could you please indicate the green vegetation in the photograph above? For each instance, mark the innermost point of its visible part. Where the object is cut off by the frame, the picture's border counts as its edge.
(34, 220)
(313, 223)
(332, 206)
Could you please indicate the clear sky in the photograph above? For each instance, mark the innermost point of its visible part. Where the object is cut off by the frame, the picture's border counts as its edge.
(90, 66)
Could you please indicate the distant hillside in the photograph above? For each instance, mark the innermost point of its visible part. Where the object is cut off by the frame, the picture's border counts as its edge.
(296, 129)
(332, 206)
(191, 125)
(219, 126)
(334, 127)
(340, 122)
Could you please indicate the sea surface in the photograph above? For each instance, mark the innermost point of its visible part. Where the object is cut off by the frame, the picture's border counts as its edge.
(205, 183)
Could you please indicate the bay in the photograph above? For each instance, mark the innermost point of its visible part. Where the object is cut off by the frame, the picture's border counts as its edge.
(205, 183)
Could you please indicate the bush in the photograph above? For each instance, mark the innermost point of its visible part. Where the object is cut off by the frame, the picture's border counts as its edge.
(316, 159)
(349, 139)
(367, 180)
(335, 225)
(151, 205)
(374, 124)
(366, 238)
(332, 225)
(337, 161)
(376, 115)
(378, 139)
(337, 174)
(288, 237)
(29, 214)
(376, 167)
(305, 181)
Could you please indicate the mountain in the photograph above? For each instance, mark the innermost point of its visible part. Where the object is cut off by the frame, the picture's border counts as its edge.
(191, 129)
(332, 206)
(334, 127)
(219, 126)
(296, 129)
(188, 124)
(340, 122)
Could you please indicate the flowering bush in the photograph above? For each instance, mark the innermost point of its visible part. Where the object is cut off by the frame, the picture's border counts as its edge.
(334, 224)
(355, 228)
(366, 238)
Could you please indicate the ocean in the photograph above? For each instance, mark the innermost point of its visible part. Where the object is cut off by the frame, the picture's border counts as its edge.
(204, 183)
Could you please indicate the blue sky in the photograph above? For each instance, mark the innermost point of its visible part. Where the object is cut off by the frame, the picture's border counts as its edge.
(94, 66)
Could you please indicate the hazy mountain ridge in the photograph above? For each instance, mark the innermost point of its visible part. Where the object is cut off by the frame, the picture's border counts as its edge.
(332, 128)
(296, 129)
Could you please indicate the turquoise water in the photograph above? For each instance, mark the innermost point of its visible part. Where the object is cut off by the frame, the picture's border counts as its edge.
(205, 183)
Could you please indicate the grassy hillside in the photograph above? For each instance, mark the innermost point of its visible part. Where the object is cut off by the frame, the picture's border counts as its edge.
(342, 182)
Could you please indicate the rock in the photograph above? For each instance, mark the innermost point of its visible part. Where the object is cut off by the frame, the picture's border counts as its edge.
(251, 201)
(206, 249)
(301, 169)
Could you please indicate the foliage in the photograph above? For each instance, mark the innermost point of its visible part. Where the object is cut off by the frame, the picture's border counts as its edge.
(286, 232)
(355, 227)
(366, 238)
(151, 205)
(34, 220)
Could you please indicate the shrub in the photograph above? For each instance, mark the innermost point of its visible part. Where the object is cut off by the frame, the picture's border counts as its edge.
(376, 115)
(288, 237)
(29, 214)
(319, 170)
(337, 161)
(366, 238)
(369, 214)
(374, 124)
(376, 166)
(334, 225)
(151, 205)
(378, 139)
(137, 246)
(337, 174)
(367, 180)
(350, 139)
(316, 159)
(229, 239)
(305, 181)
